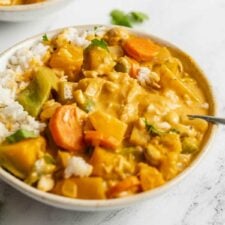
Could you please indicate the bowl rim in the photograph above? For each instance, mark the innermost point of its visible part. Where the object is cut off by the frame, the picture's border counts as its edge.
(101, 205)
(28, 7)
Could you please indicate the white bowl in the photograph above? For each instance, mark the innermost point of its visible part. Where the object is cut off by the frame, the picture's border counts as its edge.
(34, 11)
(95, 205)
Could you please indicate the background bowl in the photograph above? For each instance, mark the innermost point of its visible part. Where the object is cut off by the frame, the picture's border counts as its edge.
(93, 205)
(34, 11)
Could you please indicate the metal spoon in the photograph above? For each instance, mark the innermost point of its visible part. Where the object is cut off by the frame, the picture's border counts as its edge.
(211, 119)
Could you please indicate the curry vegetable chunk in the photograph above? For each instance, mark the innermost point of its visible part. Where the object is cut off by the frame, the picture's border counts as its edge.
(114, 107)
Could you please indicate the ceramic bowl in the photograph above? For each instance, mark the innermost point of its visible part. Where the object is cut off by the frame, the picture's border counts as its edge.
(94, 205)
(29, 12)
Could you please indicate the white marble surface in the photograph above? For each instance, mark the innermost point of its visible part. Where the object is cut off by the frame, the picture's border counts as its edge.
(197, 26)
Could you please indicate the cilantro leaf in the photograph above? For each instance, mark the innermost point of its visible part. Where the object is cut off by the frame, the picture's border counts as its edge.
(139, 17)
(174, 130)
(121, 18)
(118, 17)
(151, 129)
(45, 37)
(99, 43)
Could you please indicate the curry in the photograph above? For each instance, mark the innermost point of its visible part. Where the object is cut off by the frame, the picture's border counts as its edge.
(116, 120)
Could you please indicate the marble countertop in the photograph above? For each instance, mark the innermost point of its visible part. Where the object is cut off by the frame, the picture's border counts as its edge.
(197, 26)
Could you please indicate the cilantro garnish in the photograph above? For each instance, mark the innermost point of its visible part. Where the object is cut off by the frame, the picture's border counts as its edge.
(99, 43)
(45, 37)
(139, 17)
(119, 17)
(152, 130)
(174, 130)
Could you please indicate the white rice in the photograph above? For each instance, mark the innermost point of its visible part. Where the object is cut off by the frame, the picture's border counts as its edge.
(80, 38)
(98, 31)
(143, 75)
(46, 183)
(146, 77)
(20, 61)
(78, 167)
(3, 132)
(72, 35)
(12, 114)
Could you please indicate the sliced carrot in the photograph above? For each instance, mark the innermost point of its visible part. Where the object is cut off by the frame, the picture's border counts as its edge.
(66, 129)
(141, 49)
(128, 184)
(134, 67)
(97, 138)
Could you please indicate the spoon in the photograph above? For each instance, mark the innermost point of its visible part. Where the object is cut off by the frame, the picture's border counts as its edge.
(211, 119)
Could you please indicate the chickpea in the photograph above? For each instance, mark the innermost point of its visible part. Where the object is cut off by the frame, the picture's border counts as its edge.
(172, 117)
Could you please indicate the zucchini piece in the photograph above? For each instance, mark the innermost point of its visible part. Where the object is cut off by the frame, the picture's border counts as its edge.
(19, 135)
(38, 91)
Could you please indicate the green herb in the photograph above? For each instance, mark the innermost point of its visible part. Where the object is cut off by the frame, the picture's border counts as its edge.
(20, 135)
(99, 43)
(121, 18)
(151, 129)
(118, 17)
(139, 17)
(174, 130)
(49, 159)
(45, 37)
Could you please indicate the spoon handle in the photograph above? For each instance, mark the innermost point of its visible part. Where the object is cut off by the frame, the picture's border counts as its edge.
(211, 119)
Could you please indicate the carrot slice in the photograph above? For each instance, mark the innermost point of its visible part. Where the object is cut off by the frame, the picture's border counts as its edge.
(141, 49)
(128, 184)
(97, 138)
(66, 129)
(134, 67)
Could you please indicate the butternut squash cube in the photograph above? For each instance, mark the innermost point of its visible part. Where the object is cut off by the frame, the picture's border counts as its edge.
(150, 177)
(139, 137)
(83, 188)
(172, 142)
(109, 165)
(108, 125)
(68, 58)
(103, 163)
(90, 188)
(19, 158)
